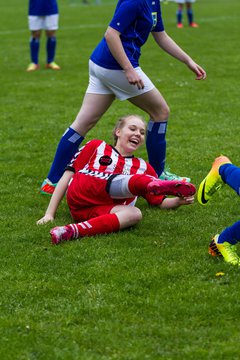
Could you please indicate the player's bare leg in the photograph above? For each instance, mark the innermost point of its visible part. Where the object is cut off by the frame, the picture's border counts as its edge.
(93, 107)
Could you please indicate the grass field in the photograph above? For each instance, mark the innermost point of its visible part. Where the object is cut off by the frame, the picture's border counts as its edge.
(147, 293)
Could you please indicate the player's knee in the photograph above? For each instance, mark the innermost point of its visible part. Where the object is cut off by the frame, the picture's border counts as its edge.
(165, 111)
(161, 113)
(136, 215)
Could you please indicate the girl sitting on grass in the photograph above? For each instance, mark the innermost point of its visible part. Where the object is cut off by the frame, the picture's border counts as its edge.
(103, 182)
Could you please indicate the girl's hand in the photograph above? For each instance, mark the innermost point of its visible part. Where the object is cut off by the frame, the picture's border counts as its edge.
(133, 78)
(186, 201)
(45, 219)
(198, 70)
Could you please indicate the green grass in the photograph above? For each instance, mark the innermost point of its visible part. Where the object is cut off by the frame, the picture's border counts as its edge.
(147, 293)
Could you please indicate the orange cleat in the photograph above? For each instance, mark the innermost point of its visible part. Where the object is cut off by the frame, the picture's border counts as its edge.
(194, 25)
(53, 66)
(32, 67)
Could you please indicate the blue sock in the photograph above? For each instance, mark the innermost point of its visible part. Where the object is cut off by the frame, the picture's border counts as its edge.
(190, 15)
(231, 234)
(156, 145)
(179, 16)
(51, 48)
(34, 50)
(67, 147)
(230, 174)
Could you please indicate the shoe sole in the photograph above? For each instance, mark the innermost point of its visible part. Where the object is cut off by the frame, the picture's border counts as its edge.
(213, 250)
(221, 160)
(47, 189)
(201, 191)
(175, 188)
(51, 68)
(45, 193)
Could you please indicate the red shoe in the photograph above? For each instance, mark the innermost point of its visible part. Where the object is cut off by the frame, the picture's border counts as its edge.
(194, 25)
(60, 233)
(180, 25)
(170, 187)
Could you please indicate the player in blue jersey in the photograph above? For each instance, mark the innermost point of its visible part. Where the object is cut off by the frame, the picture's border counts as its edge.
(43, 15)
(114, 72)
(189, 11)
(222, 172)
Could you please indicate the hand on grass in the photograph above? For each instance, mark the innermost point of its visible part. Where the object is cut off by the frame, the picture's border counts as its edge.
(45, 219)
(186, 201)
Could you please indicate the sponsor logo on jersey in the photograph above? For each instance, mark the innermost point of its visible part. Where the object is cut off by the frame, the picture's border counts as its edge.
(105, 160)
(154, 18)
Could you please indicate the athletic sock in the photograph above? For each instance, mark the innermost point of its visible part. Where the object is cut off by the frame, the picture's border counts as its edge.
(104, 224)
(179, 16)
(156, 145)
(34, 49)
(231, 234)
(230, 174)
(138, 184)
(190, 16)
(67, 147)
(51, 48)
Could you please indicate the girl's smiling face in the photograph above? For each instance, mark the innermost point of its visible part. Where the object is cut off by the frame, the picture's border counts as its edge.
(130, 135)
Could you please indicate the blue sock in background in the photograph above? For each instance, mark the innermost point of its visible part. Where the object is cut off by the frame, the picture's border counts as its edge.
(34, 50)
(66, 149)
(190, 15)
(230, 174)
(179, 16)
(156, 145)
(51, 48)
(231, 234)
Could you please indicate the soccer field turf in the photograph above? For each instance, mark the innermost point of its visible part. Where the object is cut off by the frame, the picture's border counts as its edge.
(150, 292)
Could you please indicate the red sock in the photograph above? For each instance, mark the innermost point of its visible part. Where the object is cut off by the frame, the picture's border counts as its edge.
(103, 224)
(138, 184)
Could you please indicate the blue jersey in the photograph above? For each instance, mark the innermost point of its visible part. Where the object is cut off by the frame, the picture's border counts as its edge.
(134, 19)
(42, 7)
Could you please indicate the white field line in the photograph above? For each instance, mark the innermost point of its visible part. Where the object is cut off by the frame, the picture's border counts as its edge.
(95, 26)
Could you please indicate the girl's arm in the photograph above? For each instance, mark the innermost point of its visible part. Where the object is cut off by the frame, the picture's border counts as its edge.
(114, 42)
(169, 46)
(56, 198)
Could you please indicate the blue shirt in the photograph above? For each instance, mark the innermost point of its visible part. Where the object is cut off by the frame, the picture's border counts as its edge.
(42, 7)
(134, 19)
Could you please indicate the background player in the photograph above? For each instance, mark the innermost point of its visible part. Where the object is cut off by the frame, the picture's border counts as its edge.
(102, 193)
(43, 15)
(189, 12)
(115, 73)
(222, 172)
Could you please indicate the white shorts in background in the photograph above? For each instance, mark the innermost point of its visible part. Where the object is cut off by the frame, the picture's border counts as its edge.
(184, 1)
(49, 22)
(106, 81)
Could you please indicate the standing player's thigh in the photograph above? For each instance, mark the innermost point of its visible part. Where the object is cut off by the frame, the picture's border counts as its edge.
(93, 107)
(51, 22)
(35, 23)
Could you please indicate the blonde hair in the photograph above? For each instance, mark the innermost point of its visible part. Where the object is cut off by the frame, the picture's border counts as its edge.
(121, 122)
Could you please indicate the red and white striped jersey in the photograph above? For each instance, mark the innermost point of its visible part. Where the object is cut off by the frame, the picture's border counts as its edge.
(98, 158)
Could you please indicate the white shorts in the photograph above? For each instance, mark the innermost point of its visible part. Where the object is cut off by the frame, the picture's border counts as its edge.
(184, 1)
(49, 22)
(106, 81)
